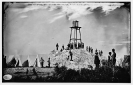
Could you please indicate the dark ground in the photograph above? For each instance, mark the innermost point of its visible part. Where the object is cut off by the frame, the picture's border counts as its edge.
(101, 75)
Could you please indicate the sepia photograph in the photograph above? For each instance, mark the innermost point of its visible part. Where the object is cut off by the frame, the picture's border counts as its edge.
(56, 41)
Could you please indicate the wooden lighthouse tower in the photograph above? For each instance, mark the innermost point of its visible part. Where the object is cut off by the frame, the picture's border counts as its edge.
(75, 37)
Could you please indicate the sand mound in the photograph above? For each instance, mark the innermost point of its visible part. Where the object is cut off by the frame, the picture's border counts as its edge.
(81, 59)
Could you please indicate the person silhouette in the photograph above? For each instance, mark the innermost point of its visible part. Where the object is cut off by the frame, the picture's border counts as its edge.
(57, 46)
(62, 47)
(48, 62)
(113, 57)
(89, 48)
(109, 59)
(71, 54)
(41, 62)
(96, 60)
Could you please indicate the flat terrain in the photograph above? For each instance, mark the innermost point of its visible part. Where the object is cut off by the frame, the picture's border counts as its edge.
(21, 72)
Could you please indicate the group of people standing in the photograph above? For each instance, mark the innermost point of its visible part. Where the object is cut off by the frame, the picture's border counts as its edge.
(42, 62)
(71, 46)
(90, 50)
(111, 59)
(57, 47)
(111, 56)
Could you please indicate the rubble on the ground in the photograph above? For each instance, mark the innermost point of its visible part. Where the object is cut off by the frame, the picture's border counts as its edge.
(81, 59)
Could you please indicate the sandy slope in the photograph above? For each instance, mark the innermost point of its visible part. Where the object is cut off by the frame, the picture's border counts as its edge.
(81, 59)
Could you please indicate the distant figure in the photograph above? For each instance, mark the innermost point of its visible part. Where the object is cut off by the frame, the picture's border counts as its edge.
(72, 46)
(76, 45)
(109, 59)
(91, 50)
(87, 48)
(48, 62)
(62, 47)
(113, 57)
(68, 46)
(101, 52)
(82, 45)
(34, 72)
(71, 54)
(41, 62)
(96, 60)
(79, 45)
(57, 46)
(96, 51)
(27, 71)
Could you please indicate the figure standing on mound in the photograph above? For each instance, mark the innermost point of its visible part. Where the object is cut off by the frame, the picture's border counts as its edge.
(96, 51)
(101, 52)
(57, 46)
(96, 60)
(71, 54)
(62, 47)
(89, 48)
(78, 45)
(109, 59)
(113, 57)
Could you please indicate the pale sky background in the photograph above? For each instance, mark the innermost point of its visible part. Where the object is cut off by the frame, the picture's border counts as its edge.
(35, 29)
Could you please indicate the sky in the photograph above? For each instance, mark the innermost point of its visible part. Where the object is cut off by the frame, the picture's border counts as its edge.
(35, 28)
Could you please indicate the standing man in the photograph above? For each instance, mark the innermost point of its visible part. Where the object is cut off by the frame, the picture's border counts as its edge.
(57, 46)
(48, 62)
(96, 60)
(92, 50)
(62, 47)
(96, 51)
(41, 62)
(109, 59)
(113, 57)
(101, 52)
(71, 55)
(87, 49)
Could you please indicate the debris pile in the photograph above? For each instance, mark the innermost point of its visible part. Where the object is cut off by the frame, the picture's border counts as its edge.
(80, 59)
